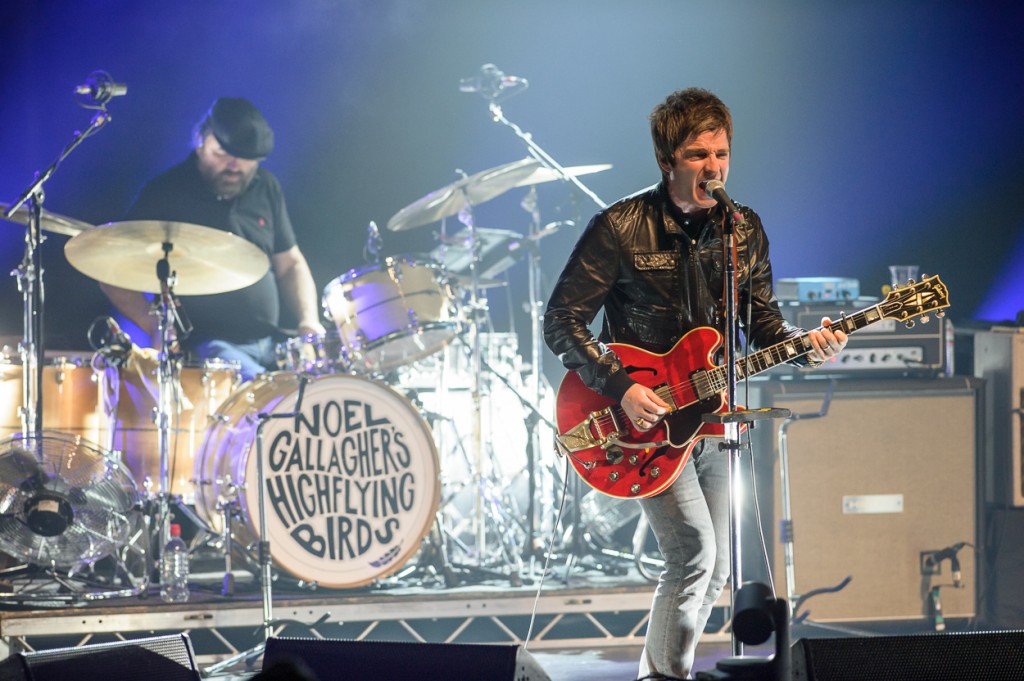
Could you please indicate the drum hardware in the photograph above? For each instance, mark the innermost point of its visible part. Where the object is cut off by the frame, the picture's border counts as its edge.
(546, 168)
(208, 260)
(59, 519)
(30, 272)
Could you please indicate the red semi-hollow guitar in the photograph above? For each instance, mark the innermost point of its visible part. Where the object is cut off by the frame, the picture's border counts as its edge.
(613, 457)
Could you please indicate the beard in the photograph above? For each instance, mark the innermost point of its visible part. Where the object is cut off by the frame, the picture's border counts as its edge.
(226, 184)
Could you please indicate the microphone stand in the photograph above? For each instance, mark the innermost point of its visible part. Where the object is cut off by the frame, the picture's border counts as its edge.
(545, 159)
(731, 418)
(265, 558)
(30, 282)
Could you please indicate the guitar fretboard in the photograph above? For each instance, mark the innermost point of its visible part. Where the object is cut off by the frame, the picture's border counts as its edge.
(714, 382)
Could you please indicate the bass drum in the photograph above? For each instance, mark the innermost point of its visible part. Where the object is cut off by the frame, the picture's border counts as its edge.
(352, 480)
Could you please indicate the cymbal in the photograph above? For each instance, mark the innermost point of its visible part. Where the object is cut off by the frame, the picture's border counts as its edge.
(545, 174)
(206, 260)
(477, 189)
(50, 222)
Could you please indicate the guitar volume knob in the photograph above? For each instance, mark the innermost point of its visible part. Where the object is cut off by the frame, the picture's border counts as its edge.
(655, 471)
(634, 489)
(613, 476)
(634, 459)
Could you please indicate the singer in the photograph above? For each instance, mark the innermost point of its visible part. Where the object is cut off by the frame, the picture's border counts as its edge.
(654, 262)
(222, 185)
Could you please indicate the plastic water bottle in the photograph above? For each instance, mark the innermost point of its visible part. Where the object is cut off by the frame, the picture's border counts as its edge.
(174, 569)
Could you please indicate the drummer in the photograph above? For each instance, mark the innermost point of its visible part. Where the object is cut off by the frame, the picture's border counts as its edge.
(222, 185)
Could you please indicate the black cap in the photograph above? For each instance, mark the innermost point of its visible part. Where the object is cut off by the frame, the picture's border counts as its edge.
(240, 128)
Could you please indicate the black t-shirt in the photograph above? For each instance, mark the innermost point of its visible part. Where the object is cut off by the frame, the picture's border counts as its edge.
(259, 215)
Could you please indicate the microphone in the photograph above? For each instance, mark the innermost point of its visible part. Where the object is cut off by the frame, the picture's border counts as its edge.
(492, 83)
(113, 344)
(954, 562)
(100, 87)
(715, 189)
(373, 243)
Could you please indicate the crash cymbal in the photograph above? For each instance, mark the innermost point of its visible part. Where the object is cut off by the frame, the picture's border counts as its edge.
(206, 260)
(545, 174)
(477, 189)
(50, 222)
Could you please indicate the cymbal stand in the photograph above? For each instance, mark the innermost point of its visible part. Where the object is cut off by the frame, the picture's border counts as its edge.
(30, 280)
(545, 159)
(536, 382)
(466, 218)
(166, 309)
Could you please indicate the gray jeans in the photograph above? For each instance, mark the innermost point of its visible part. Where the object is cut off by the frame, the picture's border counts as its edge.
(691, 523)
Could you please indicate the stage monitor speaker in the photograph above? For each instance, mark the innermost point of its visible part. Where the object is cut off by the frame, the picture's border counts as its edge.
(886, 476)
(372, 660)
(160, 658)
(979, 656)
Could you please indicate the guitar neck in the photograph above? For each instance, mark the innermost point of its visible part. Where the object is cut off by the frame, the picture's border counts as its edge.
(792, 348)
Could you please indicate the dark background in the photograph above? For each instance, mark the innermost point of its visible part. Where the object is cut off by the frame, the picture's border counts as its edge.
(867, 133)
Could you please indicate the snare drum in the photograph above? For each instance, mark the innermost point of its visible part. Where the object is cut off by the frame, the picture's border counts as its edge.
(71, 397)
(352, 482)
(201, 388)
(393, 313)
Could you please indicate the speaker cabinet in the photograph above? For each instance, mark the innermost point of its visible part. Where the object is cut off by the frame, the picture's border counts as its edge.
(161, 658)
(982, 656)
(366, 660)
(886, 476)
(999, 359)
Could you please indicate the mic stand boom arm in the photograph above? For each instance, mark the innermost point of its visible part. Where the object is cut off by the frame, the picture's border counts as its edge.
(541, 155)
(30, 283)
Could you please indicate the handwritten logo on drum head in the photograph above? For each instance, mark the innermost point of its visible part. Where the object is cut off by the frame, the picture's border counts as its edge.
(342, 481)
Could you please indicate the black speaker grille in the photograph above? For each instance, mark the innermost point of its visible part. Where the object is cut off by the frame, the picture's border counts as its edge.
(984, 656)
(160, 658)
(373, 660)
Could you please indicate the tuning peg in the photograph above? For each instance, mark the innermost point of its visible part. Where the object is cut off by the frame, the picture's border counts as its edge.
(909, 323)
(925, 319)
(940, 314)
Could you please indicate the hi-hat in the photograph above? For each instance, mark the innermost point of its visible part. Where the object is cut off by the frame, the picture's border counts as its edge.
(50, 222)
(206, 260)
(477, 189)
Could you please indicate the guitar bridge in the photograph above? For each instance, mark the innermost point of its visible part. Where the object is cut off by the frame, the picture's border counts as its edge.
(589, 433)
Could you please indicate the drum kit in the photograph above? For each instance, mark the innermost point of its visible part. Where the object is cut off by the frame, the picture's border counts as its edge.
(410, 428)
(391, 428)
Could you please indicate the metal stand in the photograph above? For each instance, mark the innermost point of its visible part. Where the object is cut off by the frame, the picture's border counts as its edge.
(731, 419)
(266, 577)
(30, 282)
(786, 530)
(492, 96)
(166, 309)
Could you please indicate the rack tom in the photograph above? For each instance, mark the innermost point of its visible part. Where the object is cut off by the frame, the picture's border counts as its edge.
(393, 313)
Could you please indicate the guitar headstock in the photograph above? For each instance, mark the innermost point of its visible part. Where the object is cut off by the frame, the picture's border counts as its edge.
(912, 300)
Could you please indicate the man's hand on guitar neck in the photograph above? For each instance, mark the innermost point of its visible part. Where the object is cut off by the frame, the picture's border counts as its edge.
(827, 343)
(643, 406)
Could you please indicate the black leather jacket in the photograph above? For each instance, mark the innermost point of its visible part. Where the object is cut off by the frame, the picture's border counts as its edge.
(655, 283)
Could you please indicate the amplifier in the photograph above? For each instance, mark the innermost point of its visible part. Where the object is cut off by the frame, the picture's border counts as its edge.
(886, 347)
(817, 289)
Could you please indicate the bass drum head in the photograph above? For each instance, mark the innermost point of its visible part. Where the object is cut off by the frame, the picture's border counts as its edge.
(352, 481)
